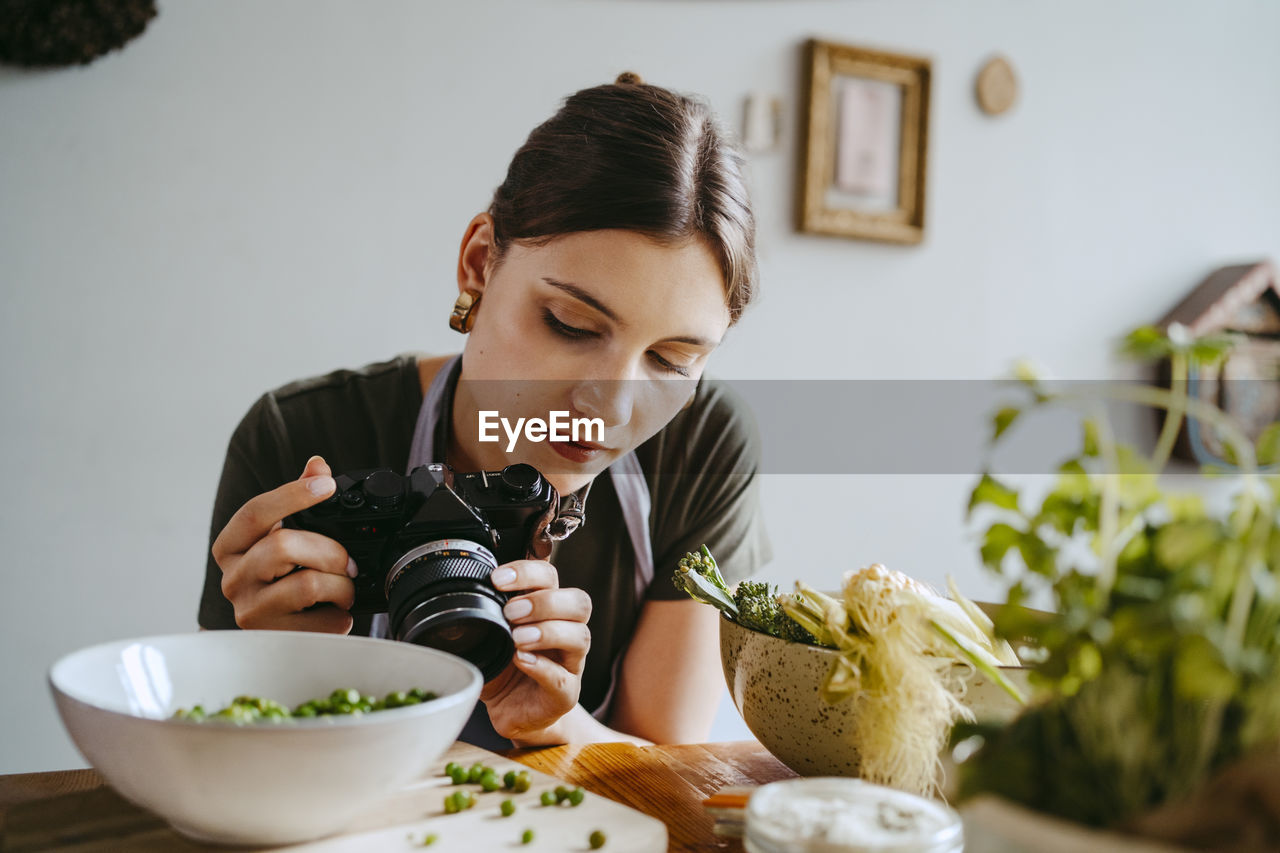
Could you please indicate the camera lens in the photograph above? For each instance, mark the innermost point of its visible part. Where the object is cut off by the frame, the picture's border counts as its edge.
(439, 594)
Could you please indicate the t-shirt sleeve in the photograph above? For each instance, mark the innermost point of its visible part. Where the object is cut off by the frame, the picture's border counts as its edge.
(254, 464)
(708, 492)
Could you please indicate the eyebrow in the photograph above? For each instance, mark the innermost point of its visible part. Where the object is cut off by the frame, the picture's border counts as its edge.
(583, 296)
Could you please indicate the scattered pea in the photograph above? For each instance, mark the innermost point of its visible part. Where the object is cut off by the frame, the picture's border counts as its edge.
(458, 775)
(431, 838)
(522, 782)
(476, 771)
(596, 839)
(509, 779)
(526, 837)
(576, 796)
(562, 793)
(549, 798)
(489, 781)
(508, 808)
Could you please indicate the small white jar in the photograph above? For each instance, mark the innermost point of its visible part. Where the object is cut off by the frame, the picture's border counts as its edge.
(833, 815)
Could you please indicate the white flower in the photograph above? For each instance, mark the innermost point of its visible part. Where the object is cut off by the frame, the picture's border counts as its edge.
(1180, 336)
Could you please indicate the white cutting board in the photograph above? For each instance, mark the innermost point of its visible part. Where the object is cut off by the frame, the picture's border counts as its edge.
(418, 811)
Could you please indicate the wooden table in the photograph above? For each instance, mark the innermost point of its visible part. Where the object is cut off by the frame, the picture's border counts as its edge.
(667, 782)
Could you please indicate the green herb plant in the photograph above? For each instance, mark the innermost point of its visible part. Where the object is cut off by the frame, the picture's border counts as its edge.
(1161, 662)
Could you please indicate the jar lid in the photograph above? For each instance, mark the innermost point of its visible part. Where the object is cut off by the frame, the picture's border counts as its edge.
(833, 815)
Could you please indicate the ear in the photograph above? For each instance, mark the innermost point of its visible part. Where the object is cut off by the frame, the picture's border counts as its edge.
(475, 255)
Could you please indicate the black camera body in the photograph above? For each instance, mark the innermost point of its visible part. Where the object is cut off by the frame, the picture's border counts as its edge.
(425, 545)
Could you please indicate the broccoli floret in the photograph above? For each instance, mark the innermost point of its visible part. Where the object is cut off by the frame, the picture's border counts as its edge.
(698, 575)
(758, 609)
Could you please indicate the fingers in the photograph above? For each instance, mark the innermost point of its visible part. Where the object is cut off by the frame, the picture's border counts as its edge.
(261, 514)
(299, 590)
(551, 676)
(277, 553)
(324, 618)
(316, 467)
(522, 575)
(570, 642)
(573, 605)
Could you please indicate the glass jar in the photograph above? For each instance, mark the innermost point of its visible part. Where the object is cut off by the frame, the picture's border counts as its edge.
(830, 815)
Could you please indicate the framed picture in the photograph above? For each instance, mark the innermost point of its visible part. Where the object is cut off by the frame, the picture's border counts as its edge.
(862, 162)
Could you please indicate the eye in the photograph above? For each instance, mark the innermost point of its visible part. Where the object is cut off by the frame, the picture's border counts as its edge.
(563, 329)
(668, 366)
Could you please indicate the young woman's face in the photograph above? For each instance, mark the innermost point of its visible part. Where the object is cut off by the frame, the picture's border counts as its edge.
(599, 324)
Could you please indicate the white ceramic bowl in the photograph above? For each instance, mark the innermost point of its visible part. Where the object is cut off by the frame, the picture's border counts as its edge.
(775, 685)
(264, 783)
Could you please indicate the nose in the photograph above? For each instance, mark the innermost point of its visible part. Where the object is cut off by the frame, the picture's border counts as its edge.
(610, 400)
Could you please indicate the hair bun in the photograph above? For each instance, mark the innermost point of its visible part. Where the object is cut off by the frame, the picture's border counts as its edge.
(629, 78)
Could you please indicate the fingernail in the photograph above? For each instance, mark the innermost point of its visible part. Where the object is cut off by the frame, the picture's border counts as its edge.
(517, 609)
(320, 485)
(503, 577)
(525, 657)
(526, 634)
(352, 570)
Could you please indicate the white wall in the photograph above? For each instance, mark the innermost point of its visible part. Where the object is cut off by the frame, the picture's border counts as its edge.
(253, 192)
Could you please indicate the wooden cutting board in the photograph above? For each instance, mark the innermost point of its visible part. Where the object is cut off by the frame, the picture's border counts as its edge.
(101, 820)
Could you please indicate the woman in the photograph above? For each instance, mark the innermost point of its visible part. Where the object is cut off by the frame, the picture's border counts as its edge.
(609, 266)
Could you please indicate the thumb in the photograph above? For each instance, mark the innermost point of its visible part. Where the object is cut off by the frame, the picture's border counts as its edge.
(316, 467)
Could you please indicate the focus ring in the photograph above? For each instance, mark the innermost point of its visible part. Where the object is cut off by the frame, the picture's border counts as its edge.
(432, 568)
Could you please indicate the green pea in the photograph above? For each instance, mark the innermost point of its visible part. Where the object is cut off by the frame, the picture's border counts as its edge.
(596, 839)
(576, 796)
(526, 837)
(430, 839)
(476, 771)
(448, 768)
(489, 781)
(549, 798)
(562, 793)
(522, 782)
(508, 808)
(450, 805)
(458, 775)
(396, 699)
(509, 779)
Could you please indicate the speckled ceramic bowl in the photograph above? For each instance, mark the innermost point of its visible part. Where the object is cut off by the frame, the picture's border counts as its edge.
(774, 685)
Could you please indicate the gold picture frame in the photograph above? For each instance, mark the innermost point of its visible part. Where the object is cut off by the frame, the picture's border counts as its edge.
(866, 132)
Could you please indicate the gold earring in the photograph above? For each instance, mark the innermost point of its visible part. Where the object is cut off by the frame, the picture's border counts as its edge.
(463, 316)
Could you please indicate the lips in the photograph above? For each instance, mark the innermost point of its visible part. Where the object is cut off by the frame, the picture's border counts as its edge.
(578, 451)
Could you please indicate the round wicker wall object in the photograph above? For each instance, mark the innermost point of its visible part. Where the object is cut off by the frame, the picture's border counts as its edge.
(53, 33)
(997, 87)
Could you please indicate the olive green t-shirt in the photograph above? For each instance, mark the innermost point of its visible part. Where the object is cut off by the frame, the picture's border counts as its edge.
(700, 470)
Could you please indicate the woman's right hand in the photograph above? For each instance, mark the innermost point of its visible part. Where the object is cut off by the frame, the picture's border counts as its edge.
(281, 578)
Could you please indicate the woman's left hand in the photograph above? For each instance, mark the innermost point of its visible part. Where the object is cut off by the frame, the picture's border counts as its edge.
(542, 682)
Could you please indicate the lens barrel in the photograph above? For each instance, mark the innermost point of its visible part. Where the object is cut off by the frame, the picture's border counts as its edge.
(439, 594)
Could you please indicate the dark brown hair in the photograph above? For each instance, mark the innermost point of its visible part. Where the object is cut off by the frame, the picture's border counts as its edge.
(637, 157)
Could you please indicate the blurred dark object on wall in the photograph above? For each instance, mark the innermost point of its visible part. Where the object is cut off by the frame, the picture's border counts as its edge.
(1242, 301)
(54, 33)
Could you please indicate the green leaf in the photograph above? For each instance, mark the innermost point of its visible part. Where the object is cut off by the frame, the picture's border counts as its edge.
(1073, 480)
(1002, 420)
(1181, 543)
(1211, 349)
(1199, 671)
(996, 544)
(1039, 557)
(1146, 343)
(1090, 443)
(1269, 445)
(991, 491)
